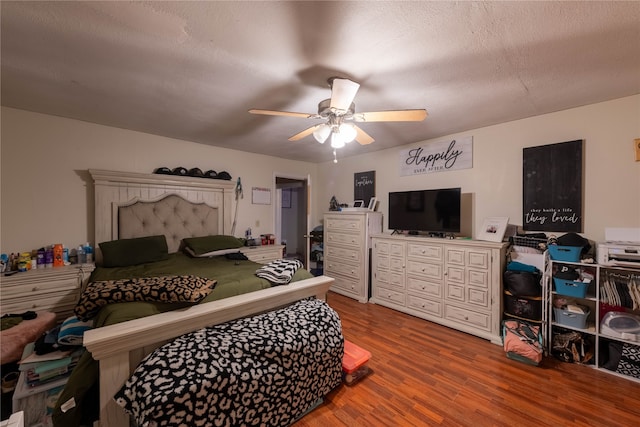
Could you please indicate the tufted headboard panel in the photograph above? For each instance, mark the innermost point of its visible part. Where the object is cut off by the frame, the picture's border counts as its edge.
(172, 216)
(129, 204)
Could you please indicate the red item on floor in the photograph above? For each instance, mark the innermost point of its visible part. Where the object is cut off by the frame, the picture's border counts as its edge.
(354, 357)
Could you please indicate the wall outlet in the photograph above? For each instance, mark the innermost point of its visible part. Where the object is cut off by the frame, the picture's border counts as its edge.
(257, 223)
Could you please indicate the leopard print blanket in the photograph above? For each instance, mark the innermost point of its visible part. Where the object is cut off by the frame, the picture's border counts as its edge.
(96, 295)
(265, 370)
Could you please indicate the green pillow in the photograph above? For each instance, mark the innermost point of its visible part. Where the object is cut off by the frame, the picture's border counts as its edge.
(141, 250)
(205, 244)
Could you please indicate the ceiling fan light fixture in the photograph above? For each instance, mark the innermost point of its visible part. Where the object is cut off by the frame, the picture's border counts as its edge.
(337, 140)
(348, 132)
(322, 133)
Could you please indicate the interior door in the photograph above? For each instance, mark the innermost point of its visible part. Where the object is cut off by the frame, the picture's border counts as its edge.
(292, 216)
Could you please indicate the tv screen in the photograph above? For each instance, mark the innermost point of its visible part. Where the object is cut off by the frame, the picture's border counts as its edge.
(432, 211)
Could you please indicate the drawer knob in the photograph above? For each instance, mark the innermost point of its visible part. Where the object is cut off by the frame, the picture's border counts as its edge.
(35, 288)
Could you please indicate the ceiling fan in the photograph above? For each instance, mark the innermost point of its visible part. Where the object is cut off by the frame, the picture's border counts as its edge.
(339, 111)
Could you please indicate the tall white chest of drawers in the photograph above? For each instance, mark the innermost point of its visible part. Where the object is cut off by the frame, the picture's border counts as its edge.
(347, 239)
(457, 283)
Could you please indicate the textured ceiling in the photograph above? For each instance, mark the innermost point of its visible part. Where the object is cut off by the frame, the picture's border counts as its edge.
(191, 70)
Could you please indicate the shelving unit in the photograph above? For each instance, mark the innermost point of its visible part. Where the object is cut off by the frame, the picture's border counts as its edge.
(316, 252)
(594, 297)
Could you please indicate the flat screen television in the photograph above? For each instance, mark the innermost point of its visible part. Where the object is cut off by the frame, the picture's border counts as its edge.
(430, 211)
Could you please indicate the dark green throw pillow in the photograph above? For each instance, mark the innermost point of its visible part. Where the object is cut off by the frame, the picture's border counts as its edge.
(141, 250)
(206, 244)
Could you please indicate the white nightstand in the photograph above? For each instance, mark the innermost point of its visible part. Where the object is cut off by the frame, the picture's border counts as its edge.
(263, 254)
(48, 289)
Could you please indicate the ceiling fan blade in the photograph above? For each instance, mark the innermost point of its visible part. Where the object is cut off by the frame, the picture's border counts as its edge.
(343, 91)
(362, 137)
(282, 113)
(307, 131)
(391, 116)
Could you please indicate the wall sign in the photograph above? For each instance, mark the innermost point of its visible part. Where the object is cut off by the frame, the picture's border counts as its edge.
(552, 187)
(260, 196)
(364, 185)
(440, 156)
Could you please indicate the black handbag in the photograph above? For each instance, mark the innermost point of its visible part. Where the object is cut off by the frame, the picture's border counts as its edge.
(522, 283)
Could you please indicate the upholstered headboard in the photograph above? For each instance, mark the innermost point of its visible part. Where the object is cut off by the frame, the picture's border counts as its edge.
(131, 205)
(171, 215)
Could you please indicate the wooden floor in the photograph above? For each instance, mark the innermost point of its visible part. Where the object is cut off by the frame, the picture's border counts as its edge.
(425, 374)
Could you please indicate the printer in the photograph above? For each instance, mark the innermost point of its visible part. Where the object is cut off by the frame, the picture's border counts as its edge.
(622, 247)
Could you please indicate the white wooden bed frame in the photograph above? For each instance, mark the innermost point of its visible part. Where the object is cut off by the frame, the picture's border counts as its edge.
(119, 348)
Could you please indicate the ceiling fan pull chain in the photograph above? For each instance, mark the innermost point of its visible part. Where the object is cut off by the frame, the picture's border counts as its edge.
(335, 159)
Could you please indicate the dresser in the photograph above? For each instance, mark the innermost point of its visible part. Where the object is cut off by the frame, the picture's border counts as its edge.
(48, 289)
(263, 254)
(456, 283)
(347, 240)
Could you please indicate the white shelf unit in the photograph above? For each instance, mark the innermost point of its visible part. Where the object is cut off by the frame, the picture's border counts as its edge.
(593, 300)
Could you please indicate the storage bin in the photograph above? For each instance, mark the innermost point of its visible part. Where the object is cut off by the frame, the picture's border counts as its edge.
(571, 288)
(568, 318)
(354, 363)
(525, 308)
(565, 253)
(354, 357)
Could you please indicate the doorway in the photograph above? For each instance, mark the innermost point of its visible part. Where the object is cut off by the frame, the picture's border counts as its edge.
(292, 216)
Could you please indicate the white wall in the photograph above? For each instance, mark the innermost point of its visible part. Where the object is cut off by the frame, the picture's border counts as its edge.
(47, 197)
(611, 174)
(46, 191)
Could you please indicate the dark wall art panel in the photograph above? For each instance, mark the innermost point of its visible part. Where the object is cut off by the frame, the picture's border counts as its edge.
(552, 187)
(364, 186)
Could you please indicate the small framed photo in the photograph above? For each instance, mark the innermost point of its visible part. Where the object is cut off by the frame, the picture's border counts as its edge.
(358, 203)
(372, 204)
(493, 229)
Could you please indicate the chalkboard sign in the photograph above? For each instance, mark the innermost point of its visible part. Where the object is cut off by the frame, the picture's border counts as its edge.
(364, 186)
(552, 187)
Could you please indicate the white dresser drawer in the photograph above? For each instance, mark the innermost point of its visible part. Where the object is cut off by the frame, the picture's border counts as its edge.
(59, 302)
(478, 278)
(263, 254)
(388, 278)
(353, 224)
(424, 287)
(340, 267)
(433, 271)
(424, 251)
(391, 295)
(343, 239)
(346, 285)
(478, 258)
(469, 317)
(345, 254)
(428, 306)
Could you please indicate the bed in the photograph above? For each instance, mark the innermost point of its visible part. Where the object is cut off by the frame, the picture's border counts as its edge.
(131, 206)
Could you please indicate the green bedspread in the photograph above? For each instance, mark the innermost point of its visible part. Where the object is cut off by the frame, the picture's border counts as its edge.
(233, 278)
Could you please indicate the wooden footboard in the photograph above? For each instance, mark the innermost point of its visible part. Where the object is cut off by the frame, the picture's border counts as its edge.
(119, 348)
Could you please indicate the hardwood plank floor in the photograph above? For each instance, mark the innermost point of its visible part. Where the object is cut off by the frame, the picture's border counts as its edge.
(425, 374)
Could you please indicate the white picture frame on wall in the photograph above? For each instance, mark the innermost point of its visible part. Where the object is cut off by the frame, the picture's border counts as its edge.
(493, 228)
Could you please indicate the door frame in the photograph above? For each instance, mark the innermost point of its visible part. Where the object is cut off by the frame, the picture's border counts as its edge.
(277, 217)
